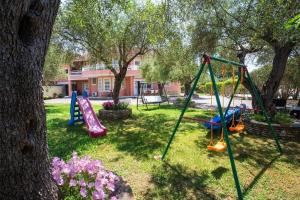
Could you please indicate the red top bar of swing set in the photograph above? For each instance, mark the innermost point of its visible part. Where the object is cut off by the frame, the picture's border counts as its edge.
(207, 59)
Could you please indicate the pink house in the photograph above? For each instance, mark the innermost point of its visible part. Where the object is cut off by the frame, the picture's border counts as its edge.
(99, 82)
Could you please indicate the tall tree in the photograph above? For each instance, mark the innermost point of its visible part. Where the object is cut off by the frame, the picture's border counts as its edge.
(184, 68)
(156, 69)
(55, 59)
(254, 25)
(110, 30)
(25, 32)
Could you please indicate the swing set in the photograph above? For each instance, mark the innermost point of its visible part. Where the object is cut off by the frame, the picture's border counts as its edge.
(225, 117)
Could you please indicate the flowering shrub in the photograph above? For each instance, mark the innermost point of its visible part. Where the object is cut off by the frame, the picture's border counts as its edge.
(108, 105)
(111, 106)
(84, 178)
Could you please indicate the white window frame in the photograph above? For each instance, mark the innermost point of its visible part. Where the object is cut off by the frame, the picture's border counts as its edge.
(100, 85)
(115, 63)
(104, 80)
(112, 83)
(85, 86)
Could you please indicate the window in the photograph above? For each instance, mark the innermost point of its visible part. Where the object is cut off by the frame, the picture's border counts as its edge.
(115, 63)
(85, 87)
(137, 63)
(94, 81)
(99, 85)
(149, 86)
(112, 84)
(106, 85)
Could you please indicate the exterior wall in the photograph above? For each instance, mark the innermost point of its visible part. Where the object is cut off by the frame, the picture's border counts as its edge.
(84, 73)
(79, 86)
(173, 88)
(50, 91)
(127, 88)
(93, 87)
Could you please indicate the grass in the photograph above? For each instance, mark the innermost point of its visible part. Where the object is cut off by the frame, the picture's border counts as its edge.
(190, 171)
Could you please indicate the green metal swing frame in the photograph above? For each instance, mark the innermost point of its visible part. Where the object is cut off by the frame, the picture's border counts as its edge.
(207, 61)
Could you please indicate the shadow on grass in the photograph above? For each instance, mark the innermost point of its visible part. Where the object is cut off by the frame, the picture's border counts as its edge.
(143, 135)
(218, 172)
(177, 182)
(64, 139)
(259, 175)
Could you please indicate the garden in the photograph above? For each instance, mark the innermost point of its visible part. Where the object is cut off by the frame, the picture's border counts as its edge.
(233, 64)
(189, 170)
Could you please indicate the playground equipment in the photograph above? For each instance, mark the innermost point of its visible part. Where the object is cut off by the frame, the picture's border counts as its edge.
(223, 115)
(149, 99)
(81, 110)
(239, 127)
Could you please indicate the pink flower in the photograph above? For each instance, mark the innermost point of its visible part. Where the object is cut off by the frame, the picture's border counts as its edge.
(83, 192)
(108, 105)
(82, 183)
(90, 185)
(95, 185)
(111, 186)
(98, 185)
(73, 183)
(113, 198)
(98, 195)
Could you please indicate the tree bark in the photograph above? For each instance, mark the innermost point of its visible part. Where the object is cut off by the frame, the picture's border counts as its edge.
(160, 89)
(271, 86)
(24, 37)
(187, 88)
(119, 77)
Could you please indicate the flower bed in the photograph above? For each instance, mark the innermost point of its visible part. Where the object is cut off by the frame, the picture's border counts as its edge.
(115, 114)
(113, 111)
(86, 178)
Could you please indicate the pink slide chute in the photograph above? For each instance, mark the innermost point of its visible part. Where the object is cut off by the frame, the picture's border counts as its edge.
(95, 128)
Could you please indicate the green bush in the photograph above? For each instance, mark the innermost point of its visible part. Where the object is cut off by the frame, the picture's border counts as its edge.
(121, 106)
(282, 118)
(180, 102)
(61, 96)
(279, 118)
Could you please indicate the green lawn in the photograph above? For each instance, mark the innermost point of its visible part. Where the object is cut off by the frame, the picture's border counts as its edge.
(190, 171)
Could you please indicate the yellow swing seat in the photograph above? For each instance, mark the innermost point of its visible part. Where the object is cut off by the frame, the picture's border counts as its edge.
(240, 127)
(219, 147)
(231, 128)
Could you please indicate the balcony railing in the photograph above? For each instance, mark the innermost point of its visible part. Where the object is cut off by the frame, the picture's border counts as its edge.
(76, 72)
(102, 67)
(93, 67)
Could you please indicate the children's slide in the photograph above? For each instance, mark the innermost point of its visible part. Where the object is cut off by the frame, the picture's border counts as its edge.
(217, 119)
(95, 128)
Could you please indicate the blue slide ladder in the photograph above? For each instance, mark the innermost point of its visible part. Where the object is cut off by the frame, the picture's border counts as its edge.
(76, 115)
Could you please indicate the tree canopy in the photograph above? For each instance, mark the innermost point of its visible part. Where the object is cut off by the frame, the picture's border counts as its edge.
(108, 30)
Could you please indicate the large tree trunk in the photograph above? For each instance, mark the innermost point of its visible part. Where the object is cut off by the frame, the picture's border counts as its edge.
(160, 89)
(119, 77)
(187, 88)
(271, 86)
(24, 37)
